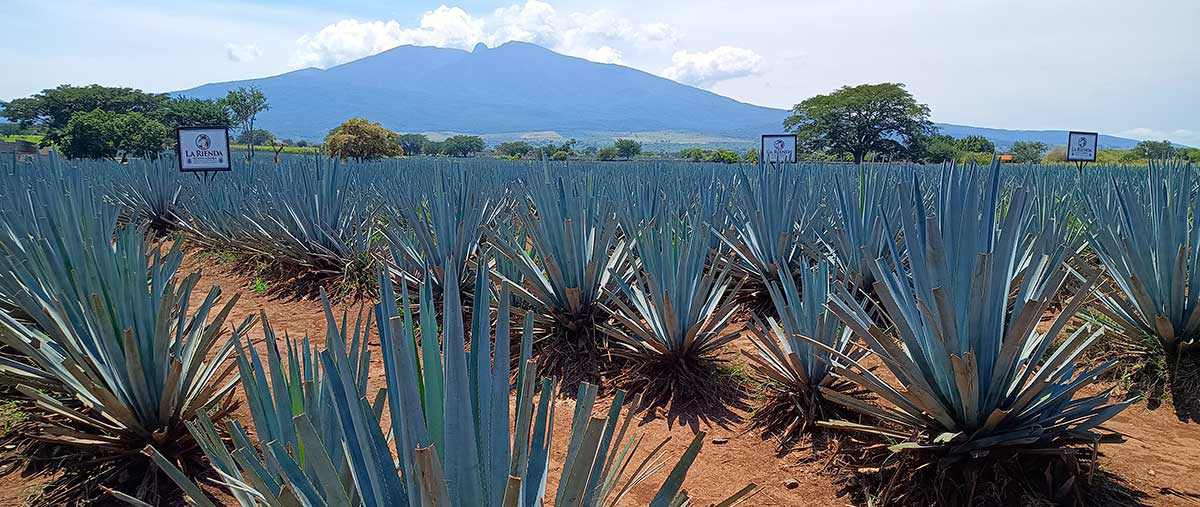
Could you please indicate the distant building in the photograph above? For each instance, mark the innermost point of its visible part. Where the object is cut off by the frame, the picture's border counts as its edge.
(1005, 157)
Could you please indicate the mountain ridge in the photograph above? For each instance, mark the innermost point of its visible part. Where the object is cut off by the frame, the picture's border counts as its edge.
(518, 88)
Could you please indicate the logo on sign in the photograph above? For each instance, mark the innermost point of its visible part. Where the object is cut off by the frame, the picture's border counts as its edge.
(1081, 146)
(203, 142)
(779, 148)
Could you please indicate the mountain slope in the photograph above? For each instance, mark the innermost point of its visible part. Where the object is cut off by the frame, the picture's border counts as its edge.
(519, 88)
(516, 87)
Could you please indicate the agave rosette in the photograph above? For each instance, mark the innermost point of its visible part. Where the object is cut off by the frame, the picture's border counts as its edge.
(455, 440)
(796, 368)
(113, 355)
(972, 371)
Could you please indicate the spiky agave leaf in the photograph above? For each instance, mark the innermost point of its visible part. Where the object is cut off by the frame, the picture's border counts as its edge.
(438, 219)
(119, 359)
(291, 459)
(972, 372)
(672, 317)
(795, 368)
(574, 254)
(315, 227)
(1143, 229)
(855, 237)
(774, 210)
(480, 455)
(151, 193)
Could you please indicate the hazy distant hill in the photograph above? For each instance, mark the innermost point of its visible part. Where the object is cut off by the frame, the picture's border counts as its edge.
(520, 88)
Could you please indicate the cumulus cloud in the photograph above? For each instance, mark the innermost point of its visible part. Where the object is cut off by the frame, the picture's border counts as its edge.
(592, 35)
(242, 52)
(350, 39)
(604, 54)
(708, 68)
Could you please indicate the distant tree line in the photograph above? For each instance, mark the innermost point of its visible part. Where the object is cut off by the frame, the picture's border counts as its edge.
(116, 123)
(870, 122)
(883, 122)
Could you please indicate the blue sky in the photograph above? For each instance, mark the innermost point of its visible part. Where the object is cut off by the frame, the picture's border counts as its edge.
(1124, 68)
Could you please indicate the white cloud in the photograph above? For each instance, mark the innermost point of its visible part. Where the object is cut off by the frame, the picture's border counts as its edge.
(1181, 136)
(350, 39)
(242, 52)
(708, 68)
(595, 35)
(604, 54)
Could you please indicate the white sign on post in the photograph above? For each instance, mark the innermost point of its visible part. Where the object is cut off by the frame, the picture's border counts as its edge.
(203, 149)
(778, 148)
(1081, 146)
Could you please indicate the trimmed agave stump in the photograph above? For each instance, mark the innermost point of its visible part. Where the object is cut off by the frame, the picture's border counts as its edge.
(1183, 380)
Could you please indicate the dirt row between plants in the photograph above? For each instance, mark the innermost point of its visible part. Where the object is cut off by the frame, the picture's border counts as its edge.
(1159, 460)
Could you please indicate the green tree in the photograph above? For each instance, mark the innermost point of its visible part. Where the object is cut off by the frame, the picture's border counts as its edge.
(976, 144)
(430, 147)
(1190, 154)
(514, 150)
(412, 144)
(1131, 156)
(751, 156)
(142, 136)
(51, 109)
(256, 137)
(244, 105)
(934, 148)
(724, 156)
(188, 112)
(859, 120)
(693, 154)
(560, 155)
(627, 148)
(462, 146)
(1155, 150)
(1026, 152)
(360, 139)
(106, 134)
(549, 150)
(608, 153)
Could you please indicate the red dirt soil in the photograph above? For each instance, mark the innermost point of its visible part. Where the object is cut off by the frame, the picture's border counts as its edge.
(1160, 458)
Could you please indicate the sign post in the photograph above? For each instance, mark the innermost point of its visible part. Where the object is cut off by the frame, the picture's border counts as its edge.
(777, 149)
(203, 150)
(1082, 147)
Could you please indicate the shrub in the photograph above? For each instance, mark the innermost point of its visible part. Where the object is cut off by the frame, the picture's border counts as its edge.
(360, 139)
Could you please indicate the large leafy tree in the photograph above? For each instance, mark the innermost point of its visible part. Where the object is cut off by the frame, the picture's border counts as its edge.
(1028, 151)
(256, 137)
(462, 146)
(514, 149)
(244, 105)
(106, 134)
(361, 139)
(52, 108)
(627, 148)
(934, 148)
(1154, 150)
(857, 120)
(412, 144)
(976, 144)
(185, 112)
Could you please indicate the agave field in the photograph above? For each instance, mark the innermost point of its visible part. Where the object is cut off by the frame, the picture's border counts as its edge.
(948, 335)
